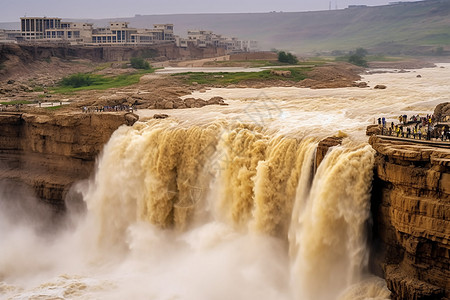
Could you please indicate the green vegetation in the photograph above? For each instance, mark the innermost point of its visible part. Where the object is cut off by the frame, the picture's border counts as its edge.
(38, 89)
(17, 102)
(139, 63)
(78, 82)
(223, 78)
(284, 57)
(357, 57)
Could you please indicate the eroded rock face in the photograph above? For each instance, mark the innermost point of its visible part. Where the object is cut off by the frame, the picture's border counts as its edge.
(50, 152)
(411, 210)
(324, 146)
(442, 112)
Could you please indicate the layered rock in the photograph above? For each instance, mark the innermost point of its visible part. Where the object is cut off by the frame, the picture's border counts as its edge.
(50, 152)
(411, 210)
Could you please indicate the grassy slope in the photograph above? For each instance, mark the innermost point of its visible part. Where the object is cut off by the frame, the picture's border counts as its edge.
(389, 28)
(424, 23)
(101, 82)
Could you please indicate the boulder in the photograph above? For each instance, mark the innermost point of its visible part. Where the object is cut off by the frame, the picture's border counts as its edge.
(131, 118)
(281, 73)
(380, 87)
(361, 84)
(160, 116)
(215, 100)
(168, 104)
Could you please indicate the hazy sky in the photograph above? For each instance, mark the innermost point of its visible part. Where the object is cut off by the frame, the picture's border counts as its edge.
(12, 10)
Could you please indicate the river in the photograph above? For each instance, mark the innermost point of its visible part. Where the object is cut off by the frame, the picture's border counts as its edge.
(222, 202)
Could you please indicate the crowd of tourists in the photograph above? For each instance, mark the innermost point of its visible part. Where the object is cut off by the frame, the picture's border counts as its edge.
(416, 127)
(106, 108)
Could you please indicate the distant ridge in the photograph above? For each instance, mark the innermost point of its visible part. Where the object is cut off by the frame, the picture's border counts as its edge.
(404, 28)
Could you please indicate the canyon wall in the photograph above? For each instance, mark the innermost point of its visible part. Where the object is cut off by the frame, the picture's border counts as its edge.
(48, 153)
(411, 211)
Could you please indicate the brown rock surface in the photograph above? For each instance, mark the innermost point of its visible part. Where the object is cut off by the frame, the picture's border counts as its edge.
(411, 210)
(442, 111)
(324, 146)
(50, 152)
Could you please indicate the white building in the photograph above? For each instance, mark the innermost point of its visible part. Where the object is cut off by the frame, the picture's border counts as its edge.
(206, 38)
(117, 33)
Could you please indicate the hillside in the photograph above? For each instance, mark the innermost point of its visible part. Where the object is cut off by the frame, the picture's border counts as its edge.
(407, 28)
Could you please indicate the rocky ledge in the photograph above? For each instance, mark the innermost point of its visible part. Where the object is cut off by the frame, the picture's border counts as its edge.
(47, 153)
(411, 211)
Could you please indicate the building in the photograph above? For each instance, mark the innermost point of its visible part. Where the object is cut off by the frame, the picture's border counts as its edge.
(9, 36)
(33, 28)
(117, 33)
(206, 38)
(54, 30)
(70, 32)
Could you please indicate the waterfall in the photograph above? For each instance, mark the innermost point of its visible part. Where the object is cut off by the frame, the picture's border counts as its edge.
(171, 204)
(182, 178)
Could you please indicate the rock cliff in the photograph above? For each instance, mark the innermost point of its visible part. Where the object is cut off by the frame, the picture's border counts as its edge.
(411, 211)
(48, 153)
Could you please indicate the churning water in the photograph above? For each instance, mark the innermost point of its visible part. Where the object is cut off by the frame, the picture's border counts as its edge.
(221, 202)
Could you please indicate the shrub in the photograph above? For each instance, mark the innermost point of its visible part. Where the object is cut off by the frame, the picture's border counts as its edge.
(287, 58)
(358, 57)
(77, 80)
(139, 63)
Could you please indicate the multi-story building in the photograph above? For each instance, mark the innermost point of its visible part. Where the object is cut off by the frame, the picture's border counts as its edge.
(9, 36)
(205, 38)
(34, 27)
(117, 33)
(71, 32)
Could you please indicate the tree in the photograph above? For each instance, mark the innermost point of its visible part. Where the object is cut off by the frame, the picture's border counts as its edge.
(77, 80)
(361, 52)
(358, 57)
(287, 58)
